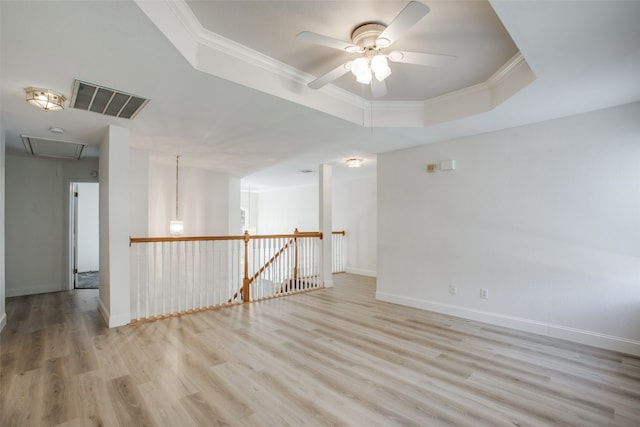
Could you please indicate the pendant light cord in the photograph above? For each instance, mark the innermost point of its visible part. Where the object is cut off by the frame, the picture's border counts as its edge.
(177, 160)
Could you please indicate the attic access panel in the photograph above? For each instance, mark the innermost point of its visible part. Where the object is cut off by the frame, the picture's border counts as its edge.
(52, 148)
(107, 101)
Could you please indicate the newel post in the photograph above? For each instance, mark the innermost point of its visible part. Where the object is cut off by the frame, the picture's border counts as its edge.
(246, 285)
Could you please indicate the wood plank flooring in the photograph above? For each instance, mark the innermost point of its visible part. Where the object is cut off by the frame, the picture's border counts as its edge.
(329, 357)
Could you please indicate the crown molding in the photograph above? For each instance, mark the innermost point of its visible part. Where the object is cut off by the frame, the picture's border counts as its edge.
(177, 22)
(509, 68)
(204, 37)
(513, 76)
(217, 55)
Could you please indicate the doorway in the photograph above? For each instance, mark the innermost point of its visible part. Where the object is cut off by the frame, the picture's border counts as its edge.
(85, 235)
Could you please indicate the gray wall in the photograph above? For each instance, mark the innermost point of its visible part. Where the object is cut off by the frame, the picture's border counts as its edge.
(37, 202)
(3, 315)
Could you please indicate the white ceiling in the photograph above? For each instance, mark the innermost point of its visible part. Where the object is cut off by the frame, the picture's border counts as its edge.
(469, 30)
(222, 110)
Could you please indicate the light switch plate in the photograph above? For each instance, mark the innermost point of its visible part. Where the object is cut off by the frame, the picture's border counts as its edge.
(447, 165)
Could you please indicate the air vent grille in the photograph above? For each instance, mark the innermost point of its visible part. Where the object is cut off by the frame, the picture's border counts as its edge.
(52, 148)
(103, 100)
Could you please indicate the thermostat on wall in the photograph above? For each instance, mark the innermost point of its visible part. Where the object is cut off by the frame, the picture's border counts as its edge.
(447, 165)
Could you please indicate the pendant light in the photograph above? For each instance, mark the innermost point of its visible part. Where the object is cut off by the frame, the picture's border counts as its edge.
(176, 226)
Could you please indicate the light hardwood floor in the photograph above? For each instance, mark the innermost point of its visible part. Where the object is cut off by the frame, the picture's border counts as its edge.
(329, 357)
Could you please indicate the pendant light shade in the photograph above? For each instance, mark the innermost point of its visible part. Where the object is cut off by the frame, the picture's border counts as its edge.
(380, 67)
(176, 227)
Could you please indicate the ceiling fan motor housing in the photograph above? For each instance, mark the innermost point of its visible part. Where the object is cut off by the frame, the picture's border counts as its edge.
(366, 35)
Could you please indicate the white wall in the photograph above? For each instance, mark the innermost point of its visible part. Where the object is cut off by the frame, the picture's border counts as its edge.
(114, 303)
(37, 201)
(281, 211)
(233, 206)
(88, 226)
(249, 202)
(206, 200)
(354, 211)
(546, 217)
(138, 193)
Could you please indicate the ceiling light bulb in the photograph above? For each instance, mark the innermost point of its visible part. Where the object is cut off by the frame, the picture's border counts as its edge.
(380, 67)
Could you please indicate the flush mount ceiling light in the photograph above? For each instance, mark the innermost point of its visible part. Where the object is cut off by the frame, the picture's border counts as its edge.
(354, 163)
(45, 98)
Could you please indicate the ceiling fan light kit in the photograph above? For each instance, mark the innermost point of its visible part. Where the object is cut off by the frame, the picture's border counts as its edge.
(369, 40)
(365, 67)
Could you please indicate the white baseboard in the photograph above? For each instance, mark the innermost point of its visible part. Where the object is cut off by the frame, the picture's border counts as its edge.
(581, 336)
(31, 290)
(3, 321)
(361, 272)
(104, 312)
(112, 321)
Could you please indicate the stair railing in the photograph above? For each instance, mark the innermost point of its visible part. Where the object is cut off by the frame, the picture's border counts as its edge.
(177, 275)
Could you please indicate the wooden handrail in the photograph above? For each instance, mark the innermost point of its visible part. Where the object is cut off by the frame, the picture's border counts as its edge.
(268, 263)
(288, 241)
(339, 232)
(133, 240)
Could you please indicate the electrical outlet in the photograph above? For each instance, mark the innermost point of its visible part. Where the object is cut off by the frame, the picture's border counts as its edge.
(453, 289)
(484, 293)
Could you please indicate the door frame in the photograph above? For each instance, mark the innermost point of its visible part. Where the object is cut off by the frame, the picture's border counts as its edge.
(71, 223)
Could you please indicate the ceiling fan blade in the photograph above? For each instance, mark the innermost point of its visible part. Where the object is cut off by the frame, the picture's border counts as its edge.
(378, 89)
(407, 18)
(339, 71)
(427, 59)
(315, 38)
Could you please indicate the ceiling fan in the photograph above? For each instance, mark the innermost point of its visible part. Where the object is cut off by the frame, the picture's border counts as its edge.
(369, 40)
